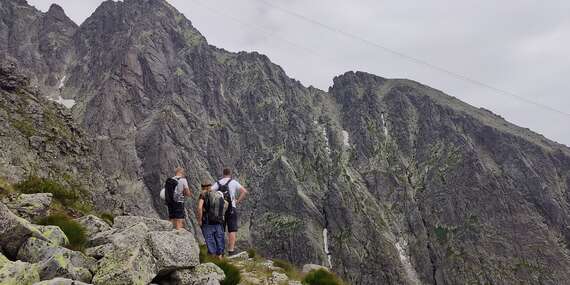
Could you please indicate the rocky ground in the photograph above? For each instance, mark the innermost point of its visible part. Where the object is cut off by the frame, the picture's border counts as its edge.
(131, 250)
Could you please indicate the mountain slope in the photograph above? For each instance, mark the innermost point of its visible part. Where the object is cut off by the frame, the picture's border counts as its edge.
(404, 184)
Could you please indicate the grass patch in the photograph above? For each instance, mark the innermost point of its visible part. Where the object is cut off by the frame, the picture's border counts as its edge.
(72, 229)
(441, 234)
(5, 187)
(252, 253)
(290, 269)
(321, 277)
(108, 218)
(71, 197)
(25, 128)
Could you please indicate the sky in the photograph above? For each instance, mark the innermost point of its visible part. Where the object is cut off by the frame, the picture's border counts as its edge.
(518, 46)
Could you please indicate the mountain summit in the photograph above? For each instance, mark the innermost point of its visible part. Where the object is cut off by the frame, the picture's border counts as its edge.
(386, 181)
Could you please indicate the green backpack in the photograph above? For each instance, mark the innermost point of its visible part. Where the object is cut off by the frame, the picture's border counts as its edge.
(215, 207)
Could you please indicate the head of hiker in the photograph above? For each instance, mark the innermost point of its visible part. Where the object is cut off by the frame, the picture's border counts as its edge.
(234, 193)
(176, 189)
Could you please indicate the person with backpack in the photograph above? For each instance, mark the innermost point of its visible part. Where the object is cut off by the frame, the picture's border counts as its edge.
(234, 193)
(211, 212)
(175, 189)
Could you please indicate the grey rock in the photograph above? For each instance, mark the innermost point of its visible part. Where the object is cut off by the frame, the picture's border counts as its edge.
(99, 251)
(101, 238)
(30, 206)
(174, 250)
(93, 224)
(15, 231)
(123, 222)
(278, 278)
(18, 272)
(54, 234)
(132, 264)
(310, 267)
(202, 274)
(60, 281)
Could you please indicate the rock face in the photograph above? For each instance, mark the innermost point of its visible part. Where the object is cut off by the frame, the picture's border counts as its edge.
(387, 181)
(14, 231)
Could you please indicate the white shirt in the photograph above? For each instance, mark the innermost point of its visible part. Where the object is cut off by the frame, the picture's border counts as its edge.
(179, 191)
(234, 188)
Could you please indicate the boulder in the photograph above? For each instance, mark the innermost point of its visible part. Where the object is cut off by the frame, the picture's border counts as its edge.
(54, 234)
(278, 278)
(310, 267)
(55, 261)
(17, 273)
(101, 237)
(30, 206)
(123, 222)
(202, 274)
(99, 251)
(60, 281)
(130, 265)
(93, 224)
(14, 231)
(129, 260)
(174, 250)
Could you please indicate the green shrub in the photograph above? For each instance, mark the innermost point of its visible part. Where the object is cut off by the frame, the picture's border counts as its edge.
(34, 184)
(72, 229)
(233, 276)
(252, 253)
(108, 217)
(321, 277)
(5, 187)
(72, 197)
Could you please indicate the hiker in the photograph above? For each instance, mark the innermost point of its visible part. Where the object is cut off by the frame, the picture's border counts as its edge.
(210, 215)
(230, 188)
(175, 189)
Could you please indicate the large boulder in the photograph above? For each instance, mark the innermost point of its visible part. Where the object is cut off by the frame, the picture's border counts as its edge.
(123, 222)
(138, 255)
(99, 251)
(30, 206)
(14, 231)
(60, 281)
(130, 261)
(202, 274)
(93, 224)
(17, 273)
(133, 264)
(55, 261)
(174, 250)
(54, 234)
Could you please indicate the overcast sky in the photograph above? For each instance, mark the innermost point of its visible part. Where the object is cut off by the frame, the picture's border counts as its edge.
(521, 46)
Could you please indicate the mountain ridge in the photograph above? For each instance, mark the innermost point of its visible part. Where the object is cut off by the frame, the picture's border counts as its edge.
(409, 184)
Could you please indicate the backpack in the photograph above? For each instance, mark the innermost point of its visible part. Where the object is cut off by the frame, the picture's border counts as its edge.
(225, 189)
(215, 207)
(169, 190)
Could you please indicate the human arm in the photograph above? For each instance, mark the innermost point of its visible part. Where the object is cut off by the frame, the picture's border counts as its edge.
(242, 193)
(186, 190)
(200, 210)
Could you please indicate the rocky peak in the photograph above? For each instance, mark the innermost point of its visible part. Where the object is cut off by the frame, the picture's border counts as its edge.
(56, 11)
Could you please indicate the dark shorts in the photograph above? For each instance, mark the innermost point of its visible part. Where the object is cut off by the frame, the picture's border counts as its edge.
(231, 220)
(176, 211)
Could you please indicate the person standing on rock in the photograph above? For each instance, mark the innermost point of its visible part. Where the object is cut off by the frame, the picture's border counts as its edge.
(210, 215)
(176, 189)
(234, 193)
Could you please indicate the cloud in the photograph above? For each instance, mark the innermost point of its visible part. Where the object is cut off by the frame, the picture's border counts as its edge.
(515, 45)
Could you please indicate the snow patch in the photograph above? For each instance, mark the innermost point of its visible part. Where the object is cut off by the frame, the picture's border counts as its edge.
(345, 138)
(326, 242)
(62, 82)
(68, 103)
(384, 127)
(401, 247)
